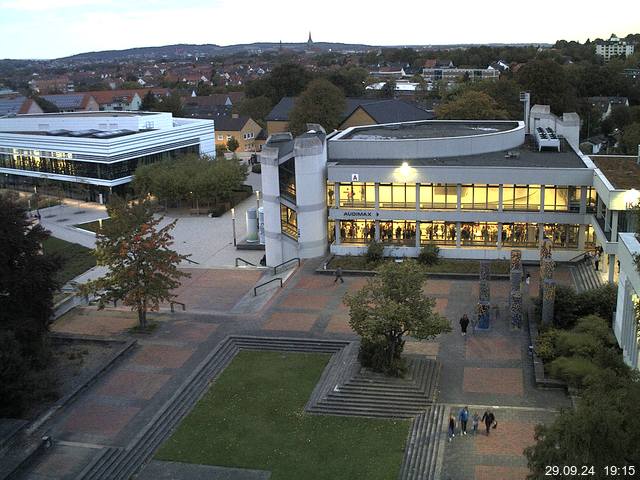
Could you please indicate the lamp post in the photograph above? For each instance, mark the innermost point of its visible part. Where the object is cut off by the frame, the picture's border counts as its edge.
(257, 200)
(233, 225)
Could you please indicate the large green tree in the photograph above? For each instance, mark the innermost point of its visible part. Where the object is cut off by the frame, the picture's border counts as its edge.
(548, 84)
(471, 105)
(27, 286)
(256, 108)
(631, 138)
(149, 102)
(171, 104)
(322, 102)
(390, 306)
(603, 430)
(142, 267)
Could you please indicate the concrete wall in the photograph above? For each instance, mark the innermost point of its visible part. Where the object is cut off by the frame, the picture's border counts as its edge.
(568, 126)
(358, 117)
(79, 121)
(274, 248)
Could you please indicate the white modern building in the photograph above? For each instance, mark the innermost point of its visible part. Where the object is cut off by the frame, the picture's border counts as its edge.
(614, 47)
(97, 151)
(626, 324)
(477, 189)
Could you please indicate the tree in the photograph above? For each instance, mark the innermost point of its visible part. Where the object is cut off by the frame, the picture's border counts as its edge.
(220, 149)
(256, 108)
(27, 286)
(322, 103)
(603, 430)
(149, 102)
(631, 138)
(388, 90)
(171, 104)
(46, 105)
(388, 307)
(548, 84)
(351, 80)
(232, 144)
(471, 105)
(142, 268)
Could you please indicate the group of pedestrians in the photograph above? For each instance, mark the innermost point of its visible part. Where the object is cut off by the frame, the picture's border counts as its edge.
(488, 418)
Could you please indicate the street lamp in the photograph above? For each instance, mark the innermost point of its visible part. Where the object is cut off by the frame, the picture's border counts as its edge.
(257, 200)
(233, 224)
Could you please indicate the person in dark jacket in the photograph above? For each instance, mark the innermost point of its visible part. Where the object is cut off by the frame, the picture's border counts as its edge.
(452, 427)
(488, 418)
(464, 323)
(339, 275)
(463, 416)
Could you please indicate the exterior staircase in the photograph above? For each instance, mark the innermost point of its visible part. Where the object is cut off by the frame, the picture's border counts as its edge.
(423, 446)
(584, 275)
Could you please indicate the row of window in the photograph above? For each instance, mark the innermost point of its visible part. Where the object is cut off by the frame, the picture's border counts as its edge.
(288, 221)
(104, 171)
(472, 197)
(485, 234)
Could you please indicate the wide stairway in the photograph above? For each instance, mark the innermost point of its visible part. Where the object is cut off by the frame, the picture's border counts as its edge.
(584, 275)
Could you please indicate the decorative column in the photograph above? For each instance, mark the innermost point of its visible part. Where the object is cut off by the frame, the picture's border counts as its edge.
(484, 300)
(515, 295)
(547, 284)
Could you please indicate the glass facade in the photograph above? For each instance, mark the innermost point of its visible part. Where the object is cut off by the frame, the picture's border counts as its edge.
(589, 237)
(438, 196)
(523, 235)
(287, 176)
(288, 221)
(331, 195)
(441, 233)
(357, 231)
(479, 234)
(357, 195)
(480, 197)
(61, 163)
(398, 232)
(397, 195)
(521, 197)
(561, 235)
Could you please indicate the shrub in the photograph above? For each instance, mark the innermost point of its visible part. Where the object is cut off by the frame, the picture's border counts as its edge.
(564, 308)
(576, 371)
(597, 328)
(375, 252)
(570, 343)
(256, 168)
(429, 254)
(545, 346)
(600, 301)
(373, 354)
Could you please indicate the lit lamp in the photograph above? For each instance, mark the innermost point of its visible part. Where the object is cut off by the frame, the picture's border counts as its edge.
(233, 225)
(404, 168)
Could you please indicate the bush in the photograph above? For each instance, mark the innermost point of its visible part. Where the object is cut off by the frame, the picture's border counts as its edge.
(545, 346)
(256, 168)
(600, 301)
(375, 252)
(565, 307)
(429, 254)
(569, 343)
(576, 371)
(597, 328)
(373, 355)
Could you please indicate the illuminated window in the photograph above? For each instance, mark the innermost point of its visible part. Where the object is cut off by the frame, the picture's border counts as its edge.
(521, 197)
(479, 234)
(398, 232)
(561, 235)
(561, 198)
(520, 235)
(357, 231)
(289, 221)
(589, 237)
(357, 195)
(331, 194)
(592, 199)
(438, 196)
(397, 195)
(480, 197)
(440, 233)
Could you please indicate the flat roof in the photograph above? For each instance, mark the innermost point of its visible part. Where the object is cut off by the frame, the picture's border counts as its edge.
(89, 133)
(622, 171)
(102, 113)
(526, 156)
(428, 129)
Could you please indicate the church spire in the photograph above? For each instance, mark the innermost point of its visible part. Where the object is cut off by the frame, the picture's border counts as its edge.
(309, 42)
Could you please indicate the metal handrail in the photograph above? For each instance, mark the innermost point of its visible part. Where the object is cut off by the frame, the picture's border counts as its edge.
(243, 260)
(255, 289)
(192, 261)
(275, 269)
(171, 303)
(579, 257)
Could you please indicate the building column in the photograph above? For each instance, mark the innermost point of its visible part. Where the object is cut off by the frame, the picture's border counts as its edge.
(458, 230)
(607, 221)
(499, 243)
(582, 233)
(500, 197)
(336, 194)
(418, 234)
(540, 233)
(336, 228)
(583, 200)
(542, 189)
(459, 197)
(598, 207)
(612, 267)
(614, 225)
(377, 224)
(417, 197)
(377, 196)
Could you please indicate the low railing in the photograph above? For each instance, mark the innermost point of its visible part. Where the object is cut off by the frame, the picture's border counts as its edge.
(255, 289)
(173, 302)
(238, 259)
(581, 257)
(192, 261)
(275, 269)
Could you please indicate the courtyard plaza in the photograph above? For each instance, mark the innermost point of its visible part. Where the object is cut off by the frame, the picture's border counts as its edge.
(482, 370)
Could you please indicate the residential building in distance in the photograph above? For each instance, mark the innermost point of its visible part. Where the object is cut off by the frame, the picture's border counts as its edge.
(358, 111)
(17, 104)
(73, 102)
(614, 47)
(605, 105)
(244, 129)
(454, 74)
(90, 155)
(124, 100)
(625, 324)
(477, 189)
(53, 85)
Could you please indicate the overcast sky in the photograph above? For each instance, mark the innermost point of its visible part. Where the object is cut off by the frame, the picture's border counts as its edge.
(56, 28)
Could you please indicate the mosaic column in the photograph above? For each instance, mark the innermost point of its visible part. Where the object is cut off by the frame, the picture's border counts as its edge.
(484, 300)
(515, 295)
(515, 300)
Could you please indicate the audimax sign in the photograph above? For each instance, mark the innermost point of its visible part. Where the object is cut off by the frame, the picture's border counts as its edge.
(357, 213)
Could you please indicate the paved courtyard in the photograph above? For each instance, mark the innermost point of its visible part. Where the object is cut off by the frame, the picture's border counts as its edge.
(479, 370)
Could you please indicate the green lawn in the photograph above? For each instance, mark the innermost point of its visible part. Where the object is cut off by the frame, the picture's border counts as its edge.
(253, 417)
(76, 259)
(92, 226)
(445, 265)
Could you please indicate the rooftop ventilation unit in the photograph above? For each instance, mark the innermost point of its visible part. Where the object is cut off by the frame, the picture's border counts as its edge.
(547, 138)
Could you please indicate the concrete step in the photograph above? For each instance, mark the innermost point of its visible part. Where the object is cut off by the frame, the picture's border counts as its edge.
(421, 453)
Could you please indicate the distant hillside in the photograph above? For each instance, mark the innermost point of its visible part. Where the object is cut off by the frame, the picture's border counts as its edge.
(186, 50)
(183, 50)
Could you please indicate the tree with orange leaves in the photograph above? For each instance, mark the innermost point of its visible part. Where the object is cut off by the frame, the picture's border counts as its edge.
(143, 269)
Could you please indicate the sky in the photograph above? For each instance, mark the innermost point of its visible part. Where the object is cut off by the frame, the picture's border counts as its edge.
(57, 28)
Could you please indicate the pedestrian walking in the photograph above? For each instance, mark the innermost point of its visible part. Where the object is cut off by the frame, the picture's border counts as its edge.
(596, 260)
(488, 418)
(464, 323)
(463, 416)
(339, 275)
(527, 279)
(476, 422)
(452, 427)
